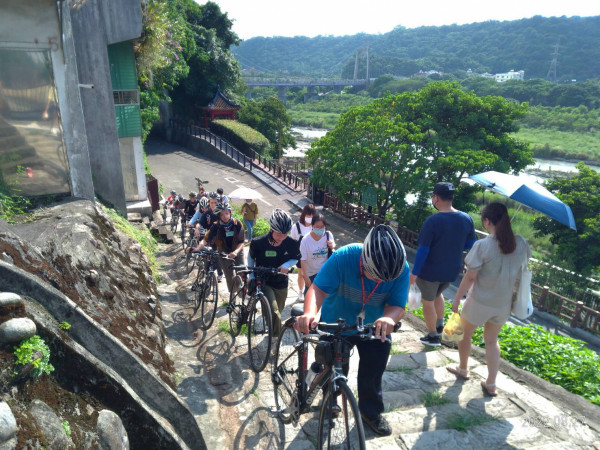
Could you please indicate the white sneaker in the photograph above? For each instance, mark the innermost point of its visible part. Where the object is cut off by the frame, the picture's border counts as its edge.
(300, 297)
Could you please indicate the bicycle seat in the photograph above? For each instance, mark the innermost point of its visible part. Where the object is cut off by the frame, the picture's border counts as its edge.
(297, 311)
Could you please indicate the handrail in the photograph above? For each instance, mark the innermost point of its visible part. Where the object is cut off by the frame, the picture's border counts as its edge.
(251, 161)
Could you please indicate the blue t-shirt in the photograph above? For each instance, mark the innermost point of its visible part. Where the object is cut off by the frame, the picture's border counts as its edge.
(340, 278)
(446, 235)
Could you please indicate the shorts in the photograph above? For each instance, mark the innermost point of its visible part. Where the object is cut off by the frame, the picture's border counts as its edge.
(479, 314)
(431, 289)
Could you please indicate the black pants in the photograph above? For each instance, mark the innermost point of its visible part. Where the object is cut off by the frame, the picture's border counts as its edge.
(374, 356)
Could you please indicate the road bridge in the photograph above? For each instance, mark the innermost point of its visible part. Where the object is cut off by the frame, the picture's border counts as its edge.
(282, 85)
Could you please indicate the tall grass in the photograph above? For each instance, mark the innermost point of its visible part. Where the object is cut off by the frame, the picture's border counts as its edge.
(570, 142)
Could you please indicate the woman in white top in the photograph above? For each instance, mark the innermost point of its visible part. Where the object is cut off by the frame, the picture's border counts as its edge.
(315, 248)
(494, 266)
(299, 230)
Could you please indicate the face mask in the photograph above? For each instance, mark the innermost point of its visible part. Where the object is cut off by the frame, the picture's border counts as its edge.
(308, 220)
(319, 231)
(248, 201)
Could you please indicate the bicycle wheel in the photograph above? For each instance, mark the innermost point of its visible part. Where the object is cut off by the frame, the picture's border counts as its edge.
(198, 288)
(343, 429)
(173, 223)
(236, 309)
(190, 260)
(209, 302)
(285, 374)
(183, 229)
(260, 331)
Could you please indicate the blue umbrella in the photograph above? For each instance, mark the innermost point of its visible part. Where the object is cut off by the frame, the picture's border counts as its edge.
(528, 193)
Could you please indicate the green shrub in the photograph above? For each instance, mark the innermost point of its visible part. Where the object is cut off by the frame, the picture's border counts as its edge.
(24, 353)
(261, 227)
(561, 360)
(241, 136)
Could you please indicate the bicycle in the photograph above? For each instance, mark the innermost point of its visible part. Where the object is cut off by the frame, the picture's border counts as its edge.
(340, 425)
(200, 183)
(174, 219)
(205, 287)
(253, 310)
(191, 242)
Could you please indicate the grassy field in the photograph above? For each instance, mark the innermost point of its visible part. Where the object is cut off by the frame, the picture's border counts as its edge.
(572, 143)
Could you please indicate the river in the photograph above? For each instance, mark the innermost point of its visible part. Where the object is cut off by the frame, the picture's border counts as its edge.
(305, 136)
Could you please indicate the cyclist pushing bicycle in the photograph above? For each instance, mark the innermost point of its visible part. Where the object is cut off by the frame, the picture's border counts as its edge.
(368, 281)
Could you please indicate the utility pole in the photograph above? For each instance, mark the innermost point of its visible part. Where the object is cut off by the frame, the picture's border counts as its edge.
(552, 71)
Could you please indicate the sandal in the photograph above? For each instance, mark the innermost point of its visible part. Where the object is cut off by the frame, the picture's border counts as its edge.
(460, 373)
(486, 389)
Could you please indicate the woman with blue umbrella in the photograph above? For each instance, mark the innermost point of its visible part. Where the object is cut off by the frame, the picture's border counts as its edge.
(494, 265)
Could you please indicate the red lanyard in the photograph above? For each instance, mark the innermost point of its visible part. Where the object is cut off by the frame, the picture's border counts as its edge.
(362, 281)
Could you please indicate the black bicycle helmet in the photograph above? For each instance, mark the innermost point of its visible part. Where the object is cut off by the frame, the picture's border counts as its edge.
(203, 203)
(180, 198)
(173, 193)
(222, 207)
(192, 194)
(383, 255)
(220, 191)
(280, 221)
(214, 195)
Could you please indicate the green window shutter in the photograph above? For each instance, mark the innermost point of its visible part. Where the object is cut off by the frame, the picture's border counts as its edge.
(129, 121)
(122, 66)
(124, 78)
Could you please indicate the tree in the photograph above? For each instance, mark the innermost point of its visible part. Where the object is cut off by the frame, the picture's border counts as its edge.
(405, 143)
(372, 146)
(467, 134)
(270, 118)
(579, 250)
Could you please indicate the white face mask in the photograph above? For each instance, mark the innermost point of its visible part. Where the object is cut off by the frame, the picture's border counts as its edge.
(248, 201)
(308, 220)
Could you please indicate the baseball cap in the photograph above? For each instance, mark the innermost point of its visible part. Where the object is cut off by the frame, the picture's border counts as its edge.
(443, 188)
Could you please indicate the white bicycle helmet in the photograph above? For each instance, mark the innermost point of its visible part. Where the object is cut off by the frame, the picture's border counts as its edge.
(383, 255)
(222, 207)
(280, 221)
(204, 203)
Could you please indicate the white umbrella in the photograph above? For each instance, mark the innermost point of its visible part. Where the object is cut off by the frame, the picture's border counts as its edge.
(244, 193)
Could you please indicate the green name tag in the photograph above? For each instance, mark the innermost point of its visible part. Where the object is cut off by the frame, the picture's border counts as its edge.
(270, 253)
(228, 233)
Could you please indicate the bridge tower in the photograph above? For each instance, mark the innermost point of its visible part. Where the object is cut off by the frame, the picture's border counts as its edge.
(552, 71)
(356, 58)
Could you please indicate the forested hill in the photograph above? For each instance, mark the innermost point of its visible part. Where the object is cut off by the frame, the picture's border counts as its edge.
(495, 47)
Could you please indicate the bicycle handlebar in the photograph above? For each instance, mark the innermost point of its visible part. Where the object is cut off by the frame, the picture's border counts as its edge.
(258, 270)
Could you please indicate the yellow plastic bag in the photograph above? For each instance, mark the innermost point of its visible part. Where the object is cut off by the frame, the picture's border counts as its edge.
(453, 331)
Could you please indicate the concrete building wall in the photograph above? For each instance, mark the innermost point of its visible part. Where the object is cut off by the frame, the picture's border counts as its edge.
(113, 21)
(35, 24)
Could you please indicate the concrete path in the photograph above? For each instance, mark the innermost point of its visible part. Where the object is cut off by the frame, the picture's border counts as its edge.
(427, 406)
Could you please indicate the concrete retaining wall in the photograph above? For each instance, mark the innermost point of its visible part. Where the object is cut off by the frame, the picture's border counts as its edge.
(93, 337)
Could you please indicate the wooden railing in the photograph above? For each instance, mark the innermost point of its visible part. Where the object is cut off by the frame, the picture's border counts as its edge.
(351, 211)
(251, 161)
(575, 312)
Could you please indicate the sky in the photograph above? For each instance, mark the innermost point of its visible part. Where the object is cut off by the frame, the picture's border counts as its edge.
(346, 17)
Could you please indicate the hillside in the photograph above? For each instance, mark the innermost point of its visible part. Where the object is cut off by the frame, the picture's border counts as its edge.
(493, 46)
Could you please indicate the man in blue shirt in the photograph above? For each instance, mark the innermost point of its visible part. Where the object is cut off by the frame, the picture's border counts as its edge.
(442, 240)
(369, 280)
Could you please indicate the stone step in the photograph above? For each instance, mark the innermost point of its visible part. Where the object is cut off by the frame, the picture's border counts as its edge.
(134, 217)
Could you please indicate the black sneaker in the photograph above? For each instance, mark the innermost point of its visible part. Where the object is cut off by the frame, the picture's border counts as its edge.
(433, 341)
(439, 329)
(378, 424)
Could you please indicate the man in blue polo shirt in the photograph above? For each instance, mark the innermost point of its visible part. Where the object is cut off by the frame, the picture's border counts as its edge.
(442, 240)
(369, 280)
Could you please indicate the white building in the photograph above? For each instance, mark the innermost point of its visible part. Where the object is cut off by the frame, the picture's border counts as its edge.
(511, 75)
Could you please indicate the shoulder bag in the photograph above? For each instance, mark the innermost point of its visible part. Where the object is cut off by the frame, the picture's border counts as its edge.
(522, 306)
